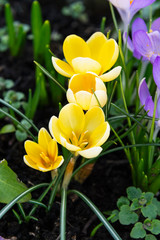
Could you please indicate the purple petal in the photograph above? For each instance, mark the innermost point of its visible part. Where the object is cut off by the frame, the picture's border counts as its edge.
(142, 43)
(129, 41)
(158, 108)
(139, 24)
(156, 71)
(143, 91)
(137, 5)
(136, 54)
(156, 25)
(149, 106)
(125, 16)
(155, 40)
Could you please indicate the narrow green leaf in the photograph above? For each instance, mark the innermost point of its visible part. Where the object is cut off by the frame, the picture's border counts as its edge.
(10, 186)
(99, 214)
(10, 26)
(50, 76)
(36, 24)
(63, 214)
(15, 200)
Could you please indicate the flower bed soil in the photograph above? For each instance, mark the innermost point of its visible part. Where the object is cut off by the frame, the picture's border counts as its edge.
(110, 176)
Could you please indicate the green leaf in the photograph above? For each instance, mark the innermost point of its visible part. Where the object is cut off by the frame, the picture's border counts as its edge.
(156, 227)
(21, 135)
(126, 216)
(135, 205)
(8, 128)
(133, 193)
(10, 186)
(149, 196)
(154, 171)
(122, 201)
(150, 237)
(114, 216)
(157, 204)
(149, 211)
(138, 231)
(148, 224)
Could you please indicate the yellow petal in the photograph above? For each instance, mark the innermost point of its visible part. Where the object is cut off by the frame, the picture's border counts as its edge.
(62, 67)
(111, 75)
(52, 150)
(99, 135)
(100, 84)
(83, 65)
(28, 161)
(83, 99)
(54, 128)
(68, 145)
(91, 152)
(70, 96)
(74, 46)
(101, 96)
(44, 138)
(83, 82)
(95, 43)
(108, 55)
(93, 118)
(58, 162)
(34, 150)
(71, 118)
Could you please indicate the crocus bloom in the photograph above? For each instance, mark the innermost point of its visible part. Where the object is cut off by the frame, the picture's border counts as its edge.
(87, 90)
(43, 156)
(147, 44)
(80, 133)
(128, 8)
(97, 55)
(146, 98)
(156, 71)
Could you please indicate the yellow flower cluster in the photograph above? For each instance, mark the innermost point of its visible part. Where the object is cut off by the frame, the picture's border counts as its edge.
(87, 65)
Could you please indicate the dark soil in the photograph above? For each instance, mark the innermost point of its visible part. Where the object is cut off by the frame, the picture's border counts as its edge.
(111, 174)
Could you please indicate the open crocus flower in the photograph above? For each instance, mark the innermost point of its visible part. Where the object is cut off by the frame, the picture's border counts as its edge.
(43, 156)
(80, 133)
(87, 90)
(128, 8)
(97, 55)
(147, 44)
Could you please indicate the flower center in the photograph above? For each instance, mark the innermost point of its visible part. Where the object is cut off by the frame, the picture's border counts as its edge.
(131, 2)
(45, 159)
(80, 141)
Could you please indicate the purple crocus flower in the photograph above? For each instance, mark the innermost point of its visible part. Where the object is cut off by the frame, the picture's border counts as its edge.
(147, 101)
(140, 26)
(147, 44)
(146, 98)
(128, 8)
(156, 72)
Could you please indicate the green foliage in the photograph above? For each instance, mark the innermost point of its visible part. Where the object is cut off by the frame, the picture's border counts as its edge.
(16, 32)
(76, 10)
(10, 186)
(141, 209)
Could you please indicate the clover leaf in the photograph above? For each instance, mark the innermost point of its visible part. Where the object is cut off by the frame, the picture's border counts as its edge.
(138, 231)
(126, 216)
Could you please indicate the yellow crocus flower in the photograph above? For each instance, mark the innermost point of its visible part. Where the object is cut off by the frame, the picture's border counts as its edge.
(43, 156)
(97, 55)
(81, 133)
(87, 90)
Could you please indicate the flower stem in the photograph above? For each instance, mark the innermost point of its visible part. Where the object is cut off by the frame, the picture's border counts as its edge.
(68, 172)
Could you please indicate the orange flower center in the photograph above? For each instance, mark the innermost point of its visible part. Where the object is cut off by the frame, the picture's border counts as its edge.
(80, 141)
(45, 159)
(131, 2)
